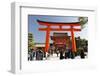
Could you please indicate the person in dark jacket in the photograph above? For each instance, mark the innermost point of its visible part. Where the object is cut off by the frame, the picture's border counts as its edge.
(40, 55)
(33, 53)
(82, 55)
(69, 53)
(72, 55)
(66, 53)
(31, 57)
(37, 54)
(61, 54)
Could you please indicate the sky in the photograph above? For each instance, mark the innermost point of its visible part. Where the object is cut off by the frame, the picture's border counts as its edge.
(39, 36)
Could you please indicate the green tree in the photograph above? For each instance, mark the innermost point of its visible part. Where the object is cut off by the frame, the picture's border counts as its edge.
(30, 41)
(83, 21)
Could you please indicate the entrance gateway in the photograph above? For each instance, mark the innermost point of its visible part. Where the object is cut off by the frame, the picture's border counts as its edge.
(49, 28)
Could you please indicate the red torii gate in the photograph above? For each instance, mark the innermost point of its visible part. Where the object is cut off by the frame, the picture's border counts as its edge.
(59, 24)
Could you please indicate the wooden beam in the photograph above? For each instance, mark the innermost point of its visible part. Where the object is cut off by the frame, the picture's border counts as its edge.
(58, 29)
(58, 23)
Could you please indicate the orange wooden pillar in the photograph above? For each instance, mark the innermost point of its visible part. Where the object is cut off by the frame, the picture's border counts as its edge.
(73, 40)
(47, 39)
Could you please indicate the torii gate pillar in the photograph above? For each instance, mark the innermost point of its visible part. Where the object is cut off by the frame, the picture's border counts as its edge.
(47, 39)
(73, 40)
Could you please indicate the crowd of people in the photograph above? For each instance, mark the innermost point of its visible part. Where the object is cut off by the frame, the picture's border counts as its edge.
(61, 53)
(36, 54)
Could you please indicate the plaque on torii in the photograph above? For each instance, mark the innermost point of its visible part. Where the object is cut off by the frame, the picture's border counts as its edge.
(49, 28)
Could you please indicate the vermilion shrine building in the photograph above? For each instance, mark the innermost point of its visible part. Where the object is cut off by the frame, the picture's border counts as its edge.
(61, 40)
